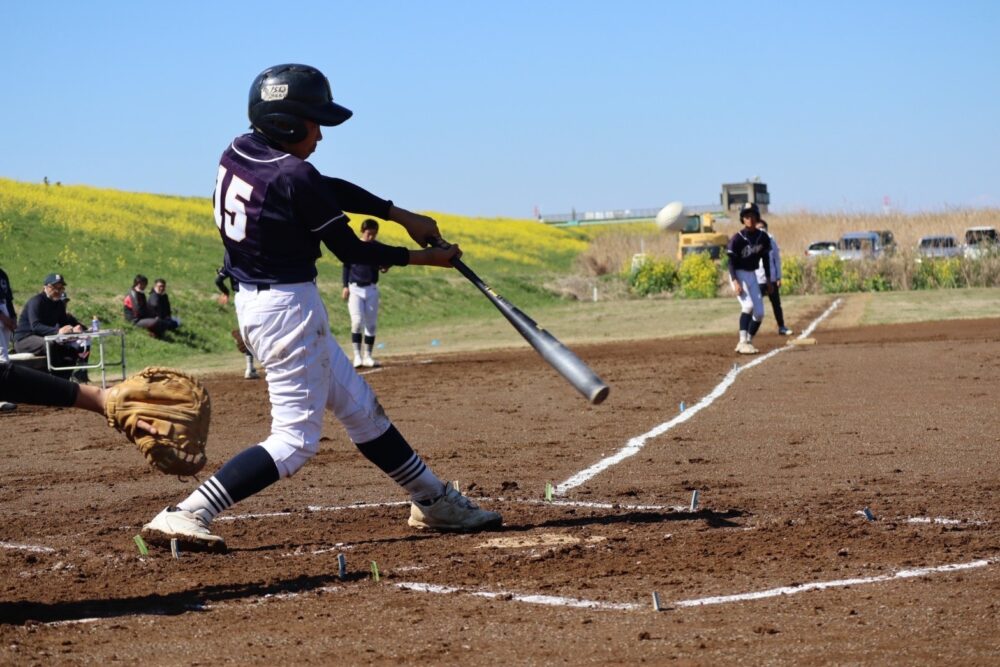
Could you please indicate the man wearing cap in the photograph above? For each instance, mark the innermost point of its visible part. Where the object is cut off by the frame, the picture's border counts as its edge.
(45, 315)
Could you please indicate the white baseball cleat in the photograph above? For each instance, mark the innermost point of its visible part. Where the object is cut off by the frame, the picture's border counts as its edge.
(746, 348)
(785, 331)
(357, 361)
(368, 362)
(251, 374)
(7, 407)
(185, 527)
(452, 512)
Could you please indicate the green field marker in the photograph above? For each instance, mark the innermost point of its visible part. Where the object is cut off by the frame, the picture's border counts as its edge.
(375, 574)
(548, 492)
(141, 544)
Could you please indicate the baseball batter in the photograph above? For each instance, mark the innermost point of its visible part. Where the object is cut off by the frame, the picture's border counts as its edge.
(273, 210)
(361, 293)
(746, 249)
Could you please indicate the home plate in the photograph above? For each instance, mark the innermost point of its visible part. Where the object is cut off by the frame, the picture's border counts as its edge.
(802, 341)
(527, 541)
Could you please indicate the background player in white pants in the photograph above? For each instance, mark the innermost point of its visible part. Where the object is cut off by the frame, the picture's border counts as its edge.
(746, 249)
(273, 209)
(362, 296)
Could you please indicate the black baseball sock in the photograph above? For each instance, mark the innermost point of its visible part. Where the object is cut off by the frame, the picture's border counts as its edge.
(247, 473)
(394, 456)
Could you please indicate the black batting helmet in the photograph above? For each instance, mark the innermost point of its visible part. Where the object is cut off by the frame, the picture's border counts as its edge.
(749, 209)
(283, 95)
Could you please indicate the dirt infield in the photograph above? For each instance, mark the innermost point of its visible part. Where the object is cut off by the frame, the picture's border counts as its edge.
(777, 564)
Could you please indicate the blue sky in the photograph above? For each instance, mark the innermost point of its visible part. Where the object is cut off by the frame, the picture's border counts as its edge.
(494, 108)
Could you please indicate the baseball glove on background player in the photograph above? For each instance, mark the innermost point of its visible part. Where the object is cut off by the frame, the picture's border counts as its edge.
(176, 405)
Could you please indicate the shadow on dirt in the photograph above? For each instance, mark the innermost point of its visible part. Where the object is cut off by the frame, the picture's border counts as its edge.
(713, 519)
(199, 599)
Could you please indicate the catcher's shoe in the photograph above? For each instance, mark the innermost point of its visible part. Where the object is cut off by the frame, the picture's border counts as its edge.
(190, 531)
(452, 512)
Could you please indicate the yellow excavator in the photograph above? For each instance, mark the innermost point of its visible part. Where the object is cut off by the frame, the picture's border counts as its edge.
(695, 225)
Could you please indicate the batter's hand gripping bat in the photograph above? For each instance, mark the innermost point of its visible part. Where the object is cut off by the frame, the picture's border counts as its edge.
(558, 355)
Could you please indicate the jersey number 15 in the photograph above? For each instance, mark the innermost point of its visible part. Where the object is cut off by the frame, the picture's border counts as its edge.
(230, 203)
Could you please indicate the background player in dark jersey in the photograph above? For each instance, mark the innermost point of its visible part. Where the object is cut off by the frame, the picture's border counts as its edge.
(773, 294)
(221, 276)
(273, 210)
(8, 322)
(746, 249)
(362, 296)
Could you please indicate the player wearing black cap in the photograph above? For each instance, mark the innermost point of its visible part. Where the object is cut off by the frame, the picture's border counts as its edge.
(746, 249)
(45, 315)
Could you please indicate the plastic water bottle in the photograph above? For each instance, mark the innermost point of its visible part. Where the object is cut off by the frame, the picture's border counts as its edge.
(95, 324)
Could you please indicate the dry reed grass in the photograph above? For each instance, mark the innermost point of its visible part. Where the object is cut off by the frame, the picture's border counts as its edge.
(611, 250)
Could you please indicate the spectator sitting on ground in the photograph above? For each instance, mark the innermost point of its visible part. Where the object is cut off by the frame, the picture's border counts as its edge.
(137, 310)
(45, 315)
(159, 303)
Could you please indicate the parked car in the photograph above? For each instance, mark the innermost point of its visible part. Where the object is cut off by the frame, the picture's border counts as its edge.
(859, 245)
(980, 240)
(938, 246)
(817, 248)
(888, 241)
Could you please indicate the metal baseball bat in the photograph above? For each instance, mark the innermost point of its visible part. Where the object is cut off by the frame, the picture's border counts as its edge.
(555, 353)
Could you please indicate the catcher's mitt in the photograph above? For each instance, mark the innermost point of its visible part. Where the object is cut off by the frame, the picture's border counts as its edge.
(176, 405)
(240, 345)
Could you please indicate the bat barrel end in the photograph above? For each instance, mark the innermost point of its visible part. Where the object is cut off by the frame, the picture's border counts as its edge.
(598, 394)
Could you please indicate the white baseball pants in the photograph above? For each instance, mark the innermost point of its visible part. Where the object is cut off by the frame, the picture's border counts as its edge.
(287, 329)
(362, 304)
(750, 299)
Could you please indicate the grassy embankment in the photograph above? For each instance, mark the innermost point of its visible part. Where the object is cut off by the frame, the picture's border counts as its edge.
(100, 238)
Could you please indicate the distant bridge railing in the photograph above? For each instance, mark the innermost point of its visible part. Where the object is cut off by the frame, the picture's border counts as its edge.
(599, 217)
(622, 215)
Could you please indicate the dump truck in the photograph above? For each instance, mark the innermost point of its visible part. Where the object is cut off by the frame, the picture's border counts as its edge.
(697, 233)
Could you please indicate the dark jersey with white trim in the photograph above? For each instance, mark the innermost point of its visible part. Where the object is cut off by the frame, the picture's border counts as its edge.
(746, 249)
(365, 274)
(273, 210)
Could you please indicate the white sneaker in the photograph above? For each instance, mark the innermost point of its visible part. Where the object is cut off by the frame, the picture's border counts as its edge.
(186, 527)
(452, 511)
(746, 348)
(251, 374)
(368, 362)
(357, 361)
